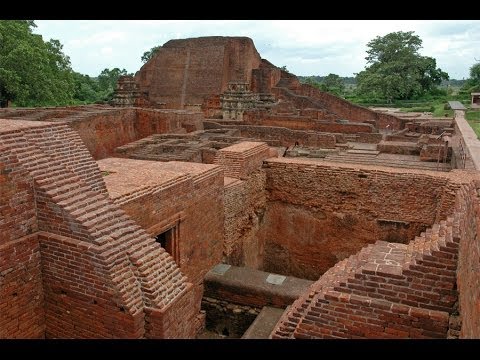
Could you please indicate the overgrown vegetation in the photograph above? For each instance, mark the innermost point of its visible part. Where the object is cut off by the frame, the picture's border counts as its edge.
(473, 118)
(34, 72)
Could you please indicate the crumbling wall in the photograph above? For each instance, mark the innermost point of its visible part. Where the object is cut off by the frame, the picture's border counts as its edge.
(194, 206)
(320, 214)
(244, 200)
(102, 275)
(244, 211)
(390, 290)
(104, 132)
(468, 272)
(22, 312)
(190, 71)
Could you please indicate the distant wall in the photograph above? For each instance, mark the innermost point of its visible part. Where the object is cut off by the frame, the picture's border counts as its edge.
(190, 71)
(309, 224)
(103, 133)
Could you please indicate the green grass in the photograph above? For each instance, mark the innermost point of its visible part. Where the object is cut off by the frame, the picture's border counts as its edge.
(417, 109)
(440, 111)
(473, 115)
(473, 118)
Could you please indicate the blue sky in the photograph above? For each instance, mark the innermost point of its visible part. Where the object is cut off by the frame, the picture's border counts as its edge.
(305, 47)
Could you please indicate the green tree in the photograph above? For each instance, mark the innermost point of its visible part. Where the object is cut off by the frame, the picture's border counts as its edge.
(473, 83)
(32, 72)
(86, 89)
(333, 83)
(396, 69)
(107, 82)
(147, 55)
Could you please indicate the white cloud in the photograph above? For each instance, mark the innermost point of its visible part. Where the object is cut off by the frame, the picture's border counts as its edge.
(306, 47)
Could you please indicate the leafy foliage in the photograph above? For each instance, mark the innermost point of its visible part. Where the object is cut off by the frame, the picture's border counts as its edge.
(107, 81)
(331, 83)
(147, 55)
(32, 71)
(473, 83)
(396, 69)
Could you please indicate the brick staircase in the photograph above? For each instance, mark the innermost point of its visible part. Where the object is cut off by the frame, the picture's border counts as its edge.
(72, 202)
(386, 290)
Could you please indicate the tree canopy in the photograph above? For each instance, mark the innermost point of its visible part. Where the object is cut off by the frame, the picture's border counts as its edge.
(396, 70)
(147, 55)
(331, 83)
(32, 71)
(473, 83)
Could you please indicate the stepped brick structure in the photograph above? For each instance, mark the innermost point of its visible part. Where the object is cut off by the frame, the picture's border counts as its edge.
(388, 290)
(216, 187)
(80, 265)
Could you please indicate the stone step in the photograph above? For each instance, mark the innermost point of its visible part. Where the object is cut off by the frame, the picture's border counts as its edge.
(264, 323)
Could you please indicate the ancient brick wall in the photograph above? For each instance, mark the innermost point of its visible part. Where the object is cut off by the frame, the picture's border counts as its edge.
(104, 132)
(318, 214)
(244, 200)
(22, 313)
(346, 110)
(287, 137)
(244, 210)
(398, 147)
(468, 272)
(102, 275)
(21, 294)
(191, 203)
(465, 144)
(387, 290)
(304, 123)
(242, 159)
(190, 71)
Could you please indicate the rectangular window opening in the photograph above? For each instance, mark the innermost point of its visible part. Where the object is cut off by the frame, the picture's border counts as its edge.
(168, 241)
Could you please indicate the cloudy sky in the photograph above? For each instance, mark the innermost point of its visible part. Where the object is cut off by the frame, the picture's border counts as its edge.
(305, 47)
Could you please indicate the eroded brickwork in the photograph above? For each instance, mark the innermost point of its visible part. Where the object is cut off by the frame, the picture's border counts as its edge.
(101, 274)
(187, 197)
(468, 272)
(313, 209)
(386, 290)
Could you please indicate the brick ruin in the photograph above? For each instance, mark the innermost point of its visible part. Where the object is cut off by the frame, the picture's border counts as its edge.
(217, 190)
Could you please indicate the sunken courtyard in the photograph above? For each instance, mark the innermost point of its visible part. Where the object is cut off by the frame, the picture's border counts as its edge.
(218, 197)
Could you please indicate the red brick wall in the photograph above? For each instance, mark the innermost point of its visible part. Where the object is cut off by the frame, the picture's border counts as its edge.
(468, 272)
(304, 123)
(22, 312)
(319, 214)
(100, 271)
(240, 160)
(21, 294)
(384, 291)
(244, 210)
(287, 137)
(104, 132)
(189, 71)
(198, 203)
(81, 301)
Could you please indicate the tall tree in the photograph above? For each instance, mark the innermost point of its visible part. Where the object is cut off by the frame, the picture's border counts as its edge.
(32, 72)
(396, 70)
(147, 55)
(107, 81)
(473, 83)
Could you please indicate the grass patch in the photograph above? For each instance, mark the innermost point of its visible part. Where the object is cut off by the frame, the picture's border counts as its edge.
(418, 109)
(473, 118)
(439, 110)
(473, 115)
